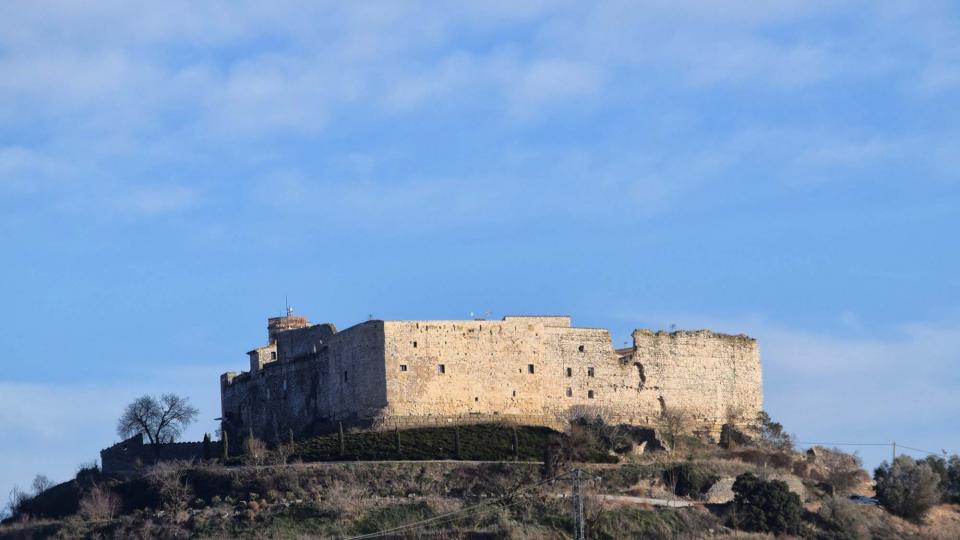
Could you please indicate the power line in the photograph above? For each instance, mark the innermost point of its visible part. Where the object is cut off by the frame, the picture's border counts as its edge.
(923, 451)
(894, 444)
(445, 518)
(842, 444)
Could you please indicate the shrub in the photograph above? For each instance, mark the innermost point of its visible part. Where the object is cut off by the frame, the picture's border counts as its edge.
(617, 438)
(688, 479)
(953, 479)
(766, 506)
(581, 443)
(99, 503)
(907, 488)
(842, 470)
(843, 520)
(771, 434)
(731, 437)
(254, 451)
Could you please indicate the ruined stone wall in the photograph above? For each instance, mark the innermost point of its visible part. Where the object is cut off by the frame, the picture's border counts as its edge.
(486, 372)
(131, 455)
(531, 370)
(706, 375)
(308, 391)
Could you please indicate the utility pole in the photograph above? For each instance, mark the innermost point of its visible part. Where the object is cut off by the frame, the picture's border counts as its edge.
(578, 524)
(894, 453)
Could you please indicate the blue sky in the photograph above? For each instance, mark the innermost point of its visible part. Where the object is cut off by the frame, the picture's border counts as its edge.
(170, 172)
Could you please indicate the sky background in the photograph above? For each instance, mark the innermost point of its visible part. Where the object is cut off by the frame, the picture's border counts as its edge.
(169, 172)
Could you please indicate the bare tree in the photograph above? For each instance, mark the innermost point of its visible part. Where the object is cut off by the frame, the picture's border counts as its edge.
(255, 451)
(672, 424)
(16, 500)
(99, 503)
(41, 483)
(161, 420)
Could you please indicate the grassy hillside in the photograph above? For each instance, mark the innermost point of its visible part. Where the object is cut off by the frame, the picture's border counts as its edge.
(315, 490)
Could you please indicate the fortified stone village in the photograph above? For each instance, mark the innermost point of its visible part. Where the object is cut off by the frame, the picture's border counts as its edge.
(529, 370)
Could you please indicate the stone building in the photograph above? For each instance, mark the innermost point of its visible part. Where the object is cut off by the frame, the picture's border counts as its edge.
(538, 370)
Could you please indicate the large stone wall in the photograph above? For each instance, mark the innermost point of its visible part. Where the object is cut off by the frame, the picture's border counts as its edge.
(532, 370)
(319, 379)
(711, 377)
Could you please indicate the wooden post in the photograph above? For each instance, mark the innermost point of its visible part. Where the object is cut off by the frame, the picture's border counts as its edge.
(396, 431)
(457, 441)
(516, 445)
(343, 447)
(225, 443)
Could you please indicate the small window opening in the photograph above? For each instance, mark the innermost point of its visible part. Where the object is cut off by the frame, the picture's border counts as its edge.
(344, 376)
(581, 348)
(441, 369)
(530, 368)
(514, 393)
(414, 344)
(403, 367)
(476, 399)
(569, 372)
(273, 355)
(590, 394)
(569, 392)
(589, 372)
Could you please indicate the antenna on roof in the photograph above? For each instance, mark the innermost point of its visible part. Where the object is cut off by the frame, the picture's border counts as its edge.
(287, 308)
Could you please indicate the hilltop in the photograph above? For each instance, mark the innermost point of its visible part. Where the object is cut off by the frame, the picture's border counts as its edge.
(511, 482)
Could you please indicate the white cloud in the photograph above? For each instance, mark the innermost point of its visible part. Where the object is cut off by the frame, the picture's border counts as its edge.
(552, 79)
(24, 168)
(152, 200)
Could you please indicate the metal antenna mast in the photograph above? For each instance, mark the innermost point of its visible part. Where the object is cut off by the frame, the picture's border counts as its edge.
(578, 506)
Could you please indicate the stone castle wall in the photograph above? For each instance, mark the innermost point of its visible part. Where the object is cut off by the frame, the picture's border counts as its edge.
(318, 379)
(531, 370)
(129, 456)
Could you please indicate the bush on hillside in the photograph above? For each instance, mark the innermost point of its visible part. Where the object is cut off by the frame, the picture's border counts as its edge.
(907, 488)
(581, 443)
(764, 506)
(953, 479)
(771, 434)
(689, 479)
(732, 437)
(840, 471)
(843, 520)
(938, 465)
(99, 503)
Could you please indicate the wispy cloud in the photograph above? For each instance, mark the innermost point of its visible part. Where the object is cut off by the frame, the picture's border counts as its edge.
(153, 200)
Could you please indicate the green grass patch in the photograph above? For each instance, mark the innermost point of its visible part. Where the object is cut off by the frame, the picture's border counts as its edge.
(482, 442)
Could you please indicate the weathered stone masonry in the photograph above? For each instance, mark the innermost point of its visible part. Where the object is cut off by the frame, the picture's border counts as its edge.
(531, 370)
